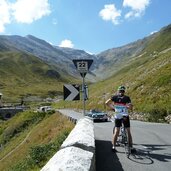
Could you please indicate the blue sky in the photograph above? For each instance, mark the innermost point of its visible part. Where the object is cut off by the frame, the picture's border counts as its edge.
(90, 25)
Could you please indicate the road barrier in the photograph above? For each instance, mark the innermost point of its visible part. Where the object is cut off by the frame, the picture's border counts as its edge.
(77, 151)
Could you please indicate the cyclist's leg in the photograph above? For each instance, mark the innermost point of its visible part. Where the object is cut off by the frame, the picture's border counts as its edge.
(127, 126)
(129, 136)
(116, 131)
(115, 135)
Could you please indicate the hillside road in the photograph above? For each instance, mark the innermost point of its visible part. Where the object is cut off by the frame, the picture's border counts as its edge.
(151, 140)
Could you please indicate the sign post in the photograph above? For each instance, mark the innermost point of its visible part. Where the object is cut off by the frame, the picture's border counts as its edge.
(83, 95)
(83, 66)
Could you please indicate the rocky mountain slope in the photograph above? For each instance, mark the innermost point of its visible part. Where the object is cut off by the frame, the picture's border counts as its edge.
(34, 67)
(59, 59)
(147, 77)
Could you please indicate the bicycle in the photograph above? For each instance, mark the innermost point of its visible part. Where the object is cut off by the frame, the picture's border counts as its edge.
(122, 113)
(123, 140)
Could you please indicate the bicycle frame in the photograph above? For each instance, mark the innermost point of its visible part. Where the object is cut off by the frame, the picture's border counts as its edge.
(123, 140)
(121, 112)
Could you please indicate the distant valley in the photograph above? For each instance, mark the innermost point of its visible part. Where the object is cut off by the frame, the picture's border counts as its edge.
(31, 66)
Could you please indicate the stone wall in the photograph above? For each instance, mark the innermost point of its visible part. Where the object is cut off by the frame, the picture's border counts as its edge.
(77, 151)
(8, 112)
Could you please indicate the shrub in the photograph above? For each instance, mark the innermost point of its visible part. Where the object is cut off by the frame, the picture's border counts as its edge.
(40, 154)
(156, 115)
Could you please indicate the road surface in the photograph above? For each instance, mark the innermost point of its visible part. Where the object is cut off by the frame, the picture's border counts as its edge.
(152, 141)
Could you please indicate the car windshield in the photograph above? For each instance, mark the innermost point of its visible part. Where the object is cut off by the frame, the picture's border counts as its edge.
(95, 111)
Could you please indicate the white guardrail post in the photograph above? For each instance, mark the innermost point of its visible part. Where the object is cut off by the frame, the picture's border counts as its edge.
(77, 151)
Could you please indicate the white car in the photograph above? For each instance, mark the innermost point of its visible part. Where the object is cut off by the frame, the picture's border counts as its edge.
(44, 109)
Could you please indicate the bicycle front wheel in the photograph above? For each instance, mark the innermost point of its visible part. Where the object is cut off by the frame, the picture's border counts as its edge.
(127, 150)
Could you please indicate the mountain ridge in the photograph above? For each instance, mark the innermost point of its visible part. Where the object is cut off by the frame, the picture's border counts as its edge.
(60, 58)
(106, 63)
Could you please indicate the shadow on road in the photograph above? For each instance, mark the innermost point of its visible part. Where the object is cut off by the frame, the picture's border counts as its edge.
(106, 160)
(146, 154)
(149, 153)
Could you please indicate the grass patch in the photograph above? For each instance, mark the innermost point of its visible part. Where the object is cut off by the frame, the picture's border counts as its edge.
(40, 154)
(28, 146)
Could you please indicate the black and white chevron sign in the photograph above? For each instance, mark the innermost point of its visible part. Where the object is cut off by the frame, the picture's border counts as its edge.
(71, 92)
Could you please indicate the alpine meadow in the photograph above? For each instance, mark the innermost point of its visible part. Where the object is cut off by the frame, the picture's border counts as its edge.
(33, 70)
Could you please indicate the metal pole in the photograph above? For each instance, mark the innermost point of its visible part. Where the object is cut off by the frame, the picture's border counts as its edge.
(83, 95)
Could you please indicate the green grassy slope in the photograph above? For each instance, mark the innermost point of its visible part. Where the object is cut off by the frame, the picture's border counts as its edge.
(147, 78)
(160, 41)
(148, 82)
(22, 75)
(29, 139)
(31, 136)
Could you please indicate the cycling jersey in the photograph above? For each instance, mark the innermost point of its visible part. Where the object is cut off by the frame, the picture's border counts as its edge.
(120, 105)
(120, 111)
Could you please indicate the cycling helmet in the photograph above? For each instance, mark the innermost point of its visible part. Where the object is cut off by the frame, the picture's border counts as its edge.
(121, 88)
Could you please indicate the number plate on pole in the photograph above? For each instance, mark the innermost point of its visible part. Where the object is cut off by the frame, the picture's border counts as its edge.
(82, 66)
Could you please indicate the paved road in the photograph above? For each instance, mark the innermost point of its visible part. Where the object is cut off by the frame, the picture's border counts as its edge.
(152, 141)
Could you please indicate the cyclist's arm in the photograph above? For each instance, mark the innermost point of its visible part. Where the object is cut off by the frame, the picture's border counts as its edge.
(109, 103)
(129, 106)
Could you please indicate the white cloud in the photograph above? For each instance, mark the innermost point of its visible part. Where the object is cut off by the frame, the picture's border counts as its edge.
(22, 11)
(137, 7)
(4, 15)
(25, 11)
(66, 43)
(110, 13)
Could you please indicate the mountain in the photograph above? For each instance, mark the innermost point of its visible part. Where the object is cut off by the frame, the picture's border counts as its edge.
(113, 60)
(28, 62)
(24, 75)
(106, 64)
(32, 67)
(147, 76)
(61, 58)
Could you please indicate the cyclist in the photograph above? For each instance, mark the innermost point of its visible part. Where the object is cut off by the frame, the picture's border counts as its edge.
(121, 99)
